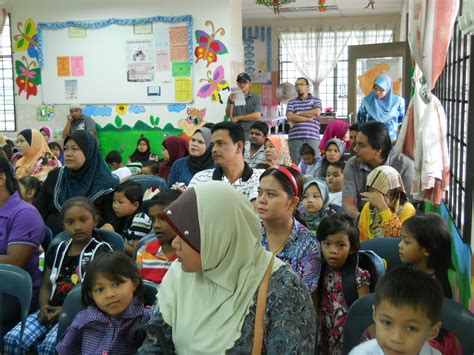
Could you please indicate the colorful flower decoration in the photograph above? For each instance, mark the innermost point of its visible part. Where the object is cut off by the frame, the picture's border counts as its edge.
(121, 109)
(28, 77)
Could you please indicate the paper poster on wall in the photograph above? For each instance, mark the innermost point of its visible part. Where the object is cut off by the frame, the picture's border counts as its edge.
(143, 29)
(183, 89)
(77, 66)
(77, 32)
(267, 95)
(161, 36)
(179, 43)
(162, 61)
(63, 66)
(139, 61)
(70, 87)
(181, 69)
(154, 90)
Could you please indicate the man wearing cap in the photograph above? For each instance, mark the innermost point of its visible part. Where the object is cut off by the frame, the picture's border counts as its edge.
(303, 111)
(76, 121)
(246, 114)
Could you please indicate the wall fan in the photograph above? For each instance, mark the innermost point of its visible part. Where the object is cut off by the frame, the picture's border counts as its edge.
(285, 92)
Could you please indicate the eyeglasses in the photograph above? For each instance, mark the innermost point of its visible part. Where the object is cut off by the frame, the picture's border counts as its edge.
(300, 84)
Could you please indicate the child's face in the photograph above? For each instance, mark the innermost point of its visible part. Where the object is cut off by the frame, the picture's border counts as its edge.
(402, 329)
(164, 233)
(334, 179)
(56, 152)
(410, 250)
(146, 170)
(312, 199)
(273, 202)
(336, 248)
(332, 153)
(308, 159)
(79, 223)
(122, 206)
(113, 297)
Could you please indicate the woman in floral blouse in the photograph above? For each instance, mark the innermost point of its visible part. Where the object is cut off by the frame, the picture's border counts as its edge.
(37, 159)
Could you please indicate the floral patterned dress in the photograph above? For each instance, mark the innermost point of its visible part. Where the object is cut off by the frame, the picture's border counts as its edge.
(333, 310)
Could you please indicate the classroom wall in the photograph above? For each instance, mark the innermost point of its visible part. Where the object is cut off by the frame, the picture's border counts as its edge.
(172, 118)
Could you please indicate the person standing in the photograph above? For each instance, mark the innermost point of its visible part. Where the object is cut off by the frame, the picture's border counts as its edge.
(77, 121)
(246, 114)
(303, 111)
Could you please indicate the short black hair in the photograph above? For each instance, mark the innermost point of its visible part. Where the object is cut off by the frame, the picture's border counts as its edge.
(354, 127)
(114, 266)
(163, 198)
(377, 136)
(6, 168)
(81, 201)
(405, 286)
(340, 164)
(153, 165)
(261, 126)
(113, 157)
(339, 223)
(302, 78)
(236, 132)
(209, 125)
(31, 183)
(306, 149)
(132, 190)
(263, 166)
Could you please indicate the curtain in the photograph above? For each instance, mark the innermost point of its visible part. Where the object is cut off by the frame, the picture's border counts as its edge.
(3, 18)
(423, 134)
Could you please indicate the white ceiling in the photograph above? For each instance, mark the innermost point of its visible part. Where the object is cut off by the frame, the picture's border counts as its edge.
(308, 9)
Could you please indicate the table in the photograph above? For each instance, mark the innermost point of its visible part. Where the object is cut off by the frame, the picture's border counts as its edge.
(274, 122)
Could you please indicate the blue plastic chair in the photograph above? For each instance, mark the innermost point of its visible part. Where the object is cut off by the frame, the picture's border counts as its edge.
(17, 283)
(147, 181)
(73, 304)
(48, 236)
(114, 239)
(146, 239)
(386, 248)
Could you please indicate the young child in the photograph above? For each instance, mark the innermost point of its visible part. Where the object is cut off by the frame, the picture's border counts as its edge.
(387, 206)
(150, 167)
(65, 267)
(426, 245)
(128, 198)
(333, 152)
(308, 161)
(335, 182)
(115, 163)
(316, 204)
(339, 240)
(113, 322)
(407, 314)
(155, 258)
(29, 188)
(57, 151)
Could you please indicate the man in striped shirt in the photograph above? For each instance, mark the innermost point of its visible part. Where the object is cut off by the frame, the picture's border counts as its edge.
(304, 112)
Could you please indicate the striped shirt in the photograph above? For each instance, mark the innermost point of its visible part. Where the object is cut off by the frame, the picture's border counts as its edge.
(139, 227)
(152, 262)
(307, 129)
(247, 185)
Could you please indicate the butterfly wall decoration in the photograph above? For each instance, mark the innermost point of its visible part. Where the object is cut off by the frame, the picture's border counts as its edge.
(209, 47)
(27, 39)
(28, 77)
(214, 85)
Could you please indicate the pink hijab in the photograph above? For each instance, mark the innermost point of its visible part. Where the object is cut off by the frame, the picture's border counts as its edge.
(335, 129)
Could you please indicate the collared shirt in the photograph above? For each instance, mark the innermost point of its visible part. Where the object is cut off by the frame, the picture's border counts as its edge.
(21, 223)
(355, 175)
(247, 184)
(96, 333)
(306, 129)
(302, 252)
(253, 103)
(257, 157)
(85, 123)
(372, 347)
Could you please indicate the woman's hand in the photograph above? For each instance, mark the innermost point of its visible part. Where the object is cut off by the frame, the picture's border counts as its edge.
(150, 192)
(376, 199)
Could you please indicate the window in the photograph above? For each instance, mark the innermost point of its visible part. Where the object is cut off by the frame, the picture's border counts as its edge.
(7, 103)
(334, 90)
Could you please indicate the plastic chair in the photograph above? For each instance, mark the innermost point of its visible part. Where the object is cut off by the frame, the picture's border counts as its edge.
(148, 181)
(73, 304)
(454, 318)
(114, 239)
(386, 248)
(146, 239)
(48, 236)
(17, 283)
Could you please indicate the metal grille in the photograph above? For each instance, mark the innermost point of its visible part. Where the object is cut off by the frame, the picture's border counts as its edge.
(334, 90)
(7, 100)
(453, 91)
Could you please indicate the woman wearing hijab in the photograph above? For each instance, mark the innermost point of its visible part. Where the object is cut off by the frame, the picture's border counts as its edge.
(387, 206)
(174, 149)
(47, 134)
(143, 151)
(207, 303)
(36, 158)
(277, 151)
(85, 174)
(199, 158)
(383, 105)
(335, 129)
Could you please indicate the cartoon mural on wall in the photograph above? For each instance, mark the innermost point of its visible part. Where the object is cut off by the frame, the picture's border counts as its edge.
(366, 80)
(193, 121)
(27, 39)
(209, 47)
(28, 77)
(214, 85)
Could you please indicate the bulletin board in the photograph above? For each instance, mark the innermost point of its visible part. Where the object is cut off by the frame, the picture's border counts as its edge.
(140, 61)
